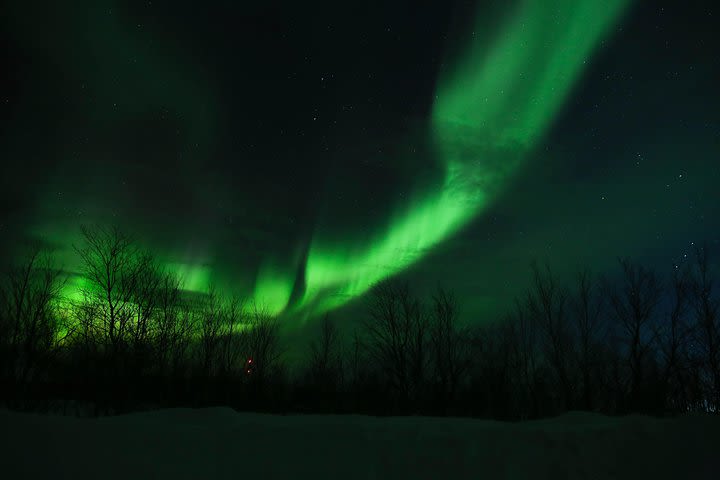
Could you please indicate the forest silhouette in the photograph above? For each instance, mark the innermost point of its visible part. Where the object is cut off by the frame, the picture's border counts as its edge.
(131, 339)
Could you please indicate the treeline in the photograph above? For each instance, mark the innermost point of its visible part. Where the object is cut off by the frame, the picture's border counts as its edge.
(131, 339)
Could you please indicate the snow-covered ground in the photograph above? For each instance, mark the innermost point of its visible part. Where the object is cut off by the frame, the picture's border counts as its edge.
(220, 443)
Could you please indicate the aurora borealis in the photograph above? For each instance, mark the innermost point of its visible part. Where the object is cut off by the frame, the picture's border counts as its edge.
(298, 156)
(495, 103)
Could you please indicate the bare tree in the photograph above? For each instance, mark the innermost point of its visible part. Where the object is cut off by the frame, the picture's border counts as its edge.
(673, 336)
(31, 330)
(262, 346)
(174, 326)
(547, 305)
(634, 304)
(112, 266)
(519, 343)
(210, 331)
(168, 307)
(489, 372)
(145, 304)
(450, 347)
(326, 366)
(355, 360)
(396, 333)
(231, 340)
(587, 311)
(706, 308)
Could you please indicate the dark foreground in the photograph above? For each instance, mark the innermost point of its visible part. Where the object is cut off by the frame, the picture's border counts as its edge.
(220, 443)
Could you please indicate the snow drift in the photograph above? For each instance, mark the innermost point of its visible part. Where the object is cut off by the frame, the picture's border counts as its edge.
(220, 443)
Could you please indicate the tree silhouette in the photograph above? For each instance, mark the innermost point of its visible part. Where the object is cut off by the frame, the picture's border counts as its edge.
(450, 348)
(587, 310)
(114, 268)
(706, 308)
(673, 335)
(547, 307)
(210, 331)
(396, 332)
(634, 303)
(326, 366)
(30, 327)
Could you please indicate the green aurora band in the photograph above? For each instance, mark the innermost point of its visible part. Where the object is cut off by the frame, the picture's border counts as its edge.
(490, 110)
(488, 114)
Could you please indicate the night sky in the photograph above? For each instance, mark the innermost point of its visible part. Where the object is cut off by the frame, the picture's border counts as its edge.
(298, 154)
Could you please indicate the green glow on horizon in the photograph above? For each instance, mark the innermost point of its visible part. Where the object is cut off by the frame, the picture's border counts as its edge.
(72, 291)
(489, 112)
